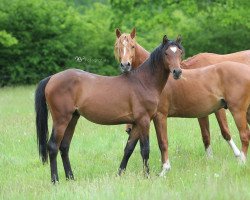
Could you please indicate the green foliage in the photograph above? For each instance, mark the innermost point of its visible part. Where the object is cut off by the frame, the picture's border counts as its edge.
(39, 38)
(7, 39)
(51, 35)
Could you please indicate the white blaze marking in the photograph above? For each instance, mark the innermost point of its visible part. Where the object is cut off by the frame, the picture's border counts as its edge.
(235, 148)
(124, 48)
(174, 49)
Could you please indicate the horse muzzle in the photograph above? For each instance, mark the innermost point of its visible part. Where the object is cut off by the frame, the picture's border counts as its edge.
(177, 73)
(125, 67)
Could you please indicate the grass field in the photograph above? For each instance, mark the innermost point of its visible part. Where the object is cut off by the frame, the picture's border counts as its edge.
(96, 152)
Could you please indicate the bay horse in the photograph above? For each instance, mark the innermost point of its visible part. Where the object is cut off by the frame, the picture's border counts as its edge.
(189, 108)
(128, 98)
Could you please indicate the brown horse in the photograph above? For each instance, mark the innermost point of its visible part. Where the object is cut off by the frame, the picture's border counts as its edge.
(128, 51)
(133, 98)
(205, 59)
(189, 108)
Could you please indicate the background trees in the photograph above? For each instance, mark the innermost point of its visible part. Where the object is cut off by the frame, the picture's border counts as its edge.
(39, 38)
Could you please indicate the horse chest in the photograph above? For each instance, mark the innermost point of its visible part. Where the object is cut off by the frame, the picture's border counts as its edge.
(145, 104)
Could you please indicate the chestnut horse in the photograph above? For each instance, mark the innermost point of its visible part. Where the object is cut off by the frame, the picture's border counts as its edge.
(189, 108)
(204, 59)
(133, 98)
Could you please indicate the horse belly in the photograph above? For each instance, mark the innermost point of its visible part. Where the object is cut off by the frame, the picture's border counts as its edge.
(106, 113)
(196, 108)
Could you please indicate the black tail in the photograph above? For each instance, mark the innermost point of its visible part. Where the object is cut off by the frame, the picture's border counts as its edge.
(42, 119)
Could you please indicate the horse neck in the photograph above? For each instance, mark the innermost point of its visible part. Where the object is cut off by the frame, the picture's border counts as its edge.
(140, 56)
(153, 80)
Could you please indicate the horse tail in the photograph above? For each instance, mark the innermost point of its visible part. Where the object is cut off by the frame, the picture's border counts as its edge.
(42, 119)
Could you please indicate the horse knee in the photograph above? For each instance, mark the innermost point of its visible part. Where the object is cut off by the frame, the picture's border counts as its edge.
(52, 148)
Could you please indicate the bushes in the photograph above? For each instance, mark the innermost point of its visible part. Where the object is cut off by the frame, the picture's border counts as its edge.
(39, 38)
(50, 35)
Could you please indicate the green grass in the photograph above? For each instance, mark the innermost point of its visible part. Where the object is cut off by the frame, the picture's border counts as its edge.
(96, 152)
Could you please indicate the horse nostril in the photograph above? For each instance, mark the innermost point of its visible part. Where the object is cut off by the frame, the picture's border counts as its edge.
(121, 65)
(128, 63)
(177, 72)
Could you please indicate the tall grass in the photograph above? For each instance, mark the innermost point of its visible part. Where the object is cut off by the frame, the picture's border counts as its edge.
(96, 152)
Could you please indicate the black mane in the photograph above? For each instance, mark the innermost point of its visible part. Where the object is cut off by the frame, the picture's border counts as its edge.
(156, 57)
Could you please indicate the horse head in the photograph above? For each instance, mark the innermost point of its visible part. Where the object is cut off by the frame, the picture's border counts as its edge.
(173, 51)
(125, 49)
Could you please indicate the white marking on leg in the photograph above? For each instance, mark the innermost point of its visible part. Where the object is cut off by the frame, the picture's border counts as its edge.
(235, 148)
(174, 49)
(242, 158)
(209, 152)
(165, 168)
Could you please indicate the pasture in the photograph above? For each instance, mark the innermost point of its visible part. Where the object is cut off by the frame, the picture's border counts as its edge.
(96, 152)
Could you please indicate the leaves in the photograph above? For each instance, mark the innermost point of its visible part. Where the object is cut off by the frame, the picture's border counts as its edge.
(39, 38)
(7, 39)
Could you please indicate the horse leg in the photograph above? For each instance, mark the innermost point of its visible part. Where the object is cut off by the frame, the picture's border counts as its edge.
(222, 121)
(241, 123)
(160, 124)
(144, 144)
(65, 144)
(205, 133)
(58, 131)
(130, 146)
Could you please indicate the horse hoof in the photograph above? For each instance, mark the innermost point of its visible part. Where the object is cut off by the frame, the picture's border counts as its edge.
(120, 172)
(70, 178)
(147, 175)
(165, 168)
(241, 158)
(55, 182)
(163, 173)
(209, 152)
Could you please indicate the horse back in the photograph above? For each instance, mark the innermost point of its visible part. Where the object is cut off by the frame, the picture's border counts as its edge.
(205, 59)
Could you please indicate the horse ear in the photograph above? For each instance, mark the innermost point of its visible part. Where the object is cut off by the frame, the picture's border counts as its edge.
(165, 39)
(118, 32)
(133, 33)
(178, 39)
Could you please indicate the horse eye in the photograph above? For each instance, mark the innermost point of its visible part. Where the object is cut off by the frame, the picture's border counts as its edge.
(133, 47)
